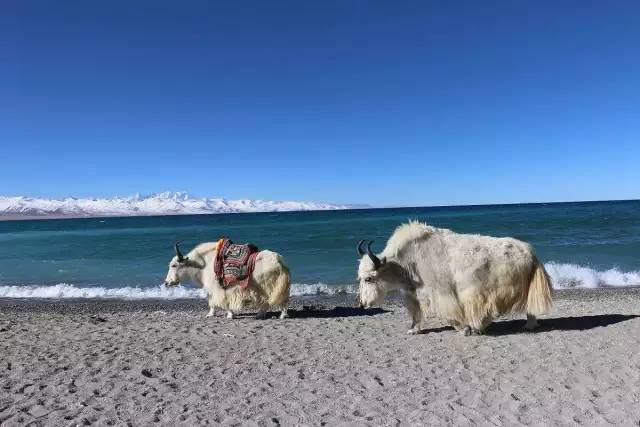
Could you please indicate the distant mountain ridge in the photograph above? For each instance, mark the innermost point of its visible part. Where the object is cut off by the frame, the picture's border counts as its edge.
(168, 203)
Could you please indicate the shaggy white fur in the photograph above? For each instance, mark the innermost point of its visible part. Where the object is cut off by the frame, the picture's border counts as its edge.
(466, 279)
(268, 287)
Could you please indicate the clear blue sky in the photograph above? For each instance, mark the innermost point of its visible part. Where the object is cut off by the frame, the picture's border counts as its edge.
(387, 103)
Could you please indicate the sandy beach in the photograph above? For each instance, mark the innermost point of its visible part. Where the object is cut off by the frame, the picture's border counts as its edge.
(114, 362)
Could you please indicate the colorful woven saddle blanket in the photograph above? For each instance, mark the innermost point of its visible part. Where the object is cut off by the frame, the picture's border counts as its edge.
(234, 263)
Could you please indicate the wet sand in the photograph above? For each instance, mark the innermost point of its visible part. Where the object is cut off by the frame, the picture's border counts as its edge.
(116, 362)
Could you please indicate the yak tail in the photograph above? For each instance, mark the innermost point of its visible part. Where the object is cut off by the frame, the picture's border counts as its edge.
(279, 296)
(539, 298)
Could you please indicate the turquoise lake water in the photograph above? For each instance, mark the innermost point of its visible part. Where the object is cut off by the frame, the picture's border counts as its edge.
(582, 244)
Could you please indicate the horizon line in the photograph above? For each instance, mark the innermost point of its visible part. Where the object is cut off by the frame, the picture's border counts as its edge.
(17, 217)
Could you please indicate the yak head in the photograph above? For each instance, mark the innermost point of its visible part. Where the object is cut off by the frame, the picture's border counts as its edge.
(177, 268)
(373, 277)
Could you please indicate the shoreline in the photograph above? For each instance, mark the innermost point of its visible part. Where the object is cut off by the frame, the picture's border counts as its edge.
(297, 302)
(191, 305)
(116, 362)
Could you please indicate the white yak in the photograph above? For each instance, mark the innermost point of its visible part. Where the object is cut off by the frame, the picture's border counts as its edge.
(268, 286)
(467, 280)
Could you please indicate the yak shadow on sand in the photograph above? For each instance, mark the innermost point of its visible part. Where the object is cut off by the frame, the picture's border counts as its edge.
(435, 330)
(581, 323)
(311, 312)
(318, 313)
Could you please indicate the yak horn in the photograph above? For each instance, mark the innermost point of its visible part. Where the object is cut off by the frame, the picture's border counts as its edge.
(180, 257)
(376, 261)
(360, 251)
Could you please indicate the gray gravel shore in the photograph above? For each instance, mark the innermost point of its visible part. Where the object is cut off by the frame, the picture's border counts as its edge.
(114, 362)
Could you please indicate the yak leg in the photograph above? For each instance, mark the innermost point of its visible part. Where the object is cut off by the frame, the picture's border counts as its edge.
(532, 322)
(284, 314)
(466, 331)
(413, 305)
(230, 314)
(477, 328)
(456, 325)
(212, 307)
(484, 324)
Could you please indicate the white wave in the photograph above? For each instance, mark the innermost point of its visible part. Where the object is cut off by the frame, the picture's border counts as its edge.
(575, 276)
(65, 291)
(167, 203)
(563, 276)
(299, 289)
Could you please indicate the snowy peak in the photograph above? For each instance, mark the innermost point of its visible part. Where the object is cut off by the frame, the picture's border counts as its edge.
(168, 203)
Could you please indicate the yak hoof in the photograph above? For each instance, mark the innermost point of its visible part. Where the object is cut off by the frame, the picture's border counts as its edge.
(466, 331)
(230, 315)
(284, 314)
(531, 324)
(211, 313)
(413, 331)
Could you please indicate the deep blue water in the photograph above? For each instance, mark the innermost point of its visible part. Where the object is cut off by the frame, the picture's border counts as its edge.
(319, 247)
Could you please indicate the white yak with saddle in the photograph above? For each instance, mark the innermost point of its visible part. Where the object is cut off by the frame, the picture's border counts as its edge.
(467, 280)
(267, 288)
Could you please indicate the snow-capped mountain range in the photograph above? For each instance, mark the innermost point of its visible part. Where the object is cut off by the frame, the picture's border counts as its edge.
(168, 203)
